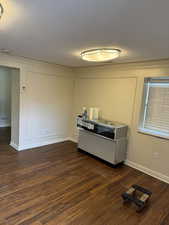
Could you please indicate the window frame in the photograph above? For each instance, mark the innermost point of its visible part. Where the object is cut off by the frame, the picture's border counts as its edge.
(144, 103)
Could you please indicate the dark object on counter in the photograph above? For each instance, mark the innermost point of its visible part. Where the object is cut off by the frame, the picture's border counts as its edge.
(105, 128)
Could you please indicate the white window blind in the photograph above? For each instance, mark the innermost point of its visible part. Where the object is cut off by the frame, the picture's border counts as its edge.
(155, 119)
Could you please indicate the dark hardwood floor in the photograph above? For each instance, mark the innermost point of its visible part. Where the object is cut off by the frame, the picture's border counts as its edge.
(5, 135)
(56, 185)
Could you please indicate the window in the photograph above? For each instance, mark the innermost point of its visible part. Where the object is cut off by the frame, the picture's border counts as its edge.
(154, 117)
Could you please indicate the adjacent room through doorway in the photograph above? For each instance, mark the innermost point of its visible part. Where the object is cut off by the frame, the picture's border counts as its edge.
(9, 97)
(5, 104)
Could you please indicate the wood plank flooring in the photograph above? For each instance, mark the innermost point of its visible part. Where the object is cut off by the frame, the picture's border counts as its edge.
(56, 185)
(5, 134)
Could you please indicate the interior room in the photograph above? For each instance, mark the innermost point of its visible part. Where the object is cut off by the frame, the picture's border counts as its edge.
(84, 112)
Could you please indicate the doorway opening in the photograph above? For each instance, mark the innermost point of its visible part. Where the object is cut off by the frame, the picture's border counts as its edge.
(9, 105)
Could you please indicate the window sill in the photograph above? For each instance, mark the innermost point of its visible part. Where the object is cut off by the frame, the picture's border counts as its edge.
(153, 133)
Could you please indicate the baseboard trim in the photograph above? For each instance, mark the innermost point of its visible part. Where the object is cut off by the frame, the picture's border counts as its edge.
(41, 143)
(37, 144)
(72, 139)
(148, 171)
(13, 145)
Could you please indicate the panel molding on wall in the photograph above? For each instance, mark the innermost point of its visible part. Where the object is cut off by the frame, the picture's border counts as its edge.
(26, 67)
(87, 90)
(49, 107)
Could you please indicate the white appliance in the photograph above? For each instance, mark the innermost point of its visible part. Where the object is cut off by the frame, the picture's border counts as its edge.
(104, 139)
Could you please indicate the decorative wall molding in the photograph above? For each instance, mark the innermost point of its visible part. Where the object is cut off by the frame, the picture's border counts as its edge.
(124, 70)
(58, 75)
(154, 64)
(148, 171)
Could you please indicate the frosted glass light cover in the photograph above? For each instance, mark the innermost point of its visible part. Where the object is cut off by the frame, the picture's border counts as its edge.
(100, 55)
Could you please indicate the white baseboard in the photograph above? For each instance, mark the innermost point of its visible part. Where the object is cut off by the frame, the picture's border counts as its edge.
(15, 146)
(37, 144)
(72, 139)
(148, 171)
(40, 143)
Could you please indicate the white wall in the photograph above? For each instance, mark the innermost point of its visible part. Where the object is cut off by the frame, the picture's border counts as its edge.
(117, 90)
(48, 109)
(5, 97)
(45, 101)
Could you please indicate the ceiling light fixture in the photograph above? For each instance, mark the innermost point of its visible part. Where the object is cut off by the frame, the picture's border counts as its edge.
(100, 55)
(1, 10)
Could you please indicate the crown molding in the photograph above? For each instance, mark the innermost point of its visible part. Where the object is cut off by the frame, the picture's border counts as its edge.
(123, 66)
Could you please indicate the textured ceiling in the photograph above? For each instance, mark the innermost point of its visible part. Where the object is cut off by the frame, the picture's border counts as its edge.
(57, 31)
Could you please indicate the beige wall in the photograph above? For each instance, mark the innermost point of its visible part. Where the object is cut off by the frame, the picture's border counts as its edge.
(110, 95)
(117, 90)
